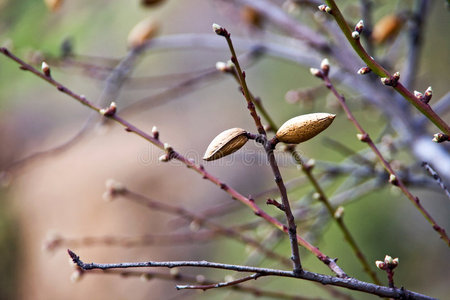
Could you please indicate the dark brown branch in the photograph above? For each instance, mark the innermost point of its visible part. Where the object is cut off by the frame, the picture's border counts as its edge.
(349, 283)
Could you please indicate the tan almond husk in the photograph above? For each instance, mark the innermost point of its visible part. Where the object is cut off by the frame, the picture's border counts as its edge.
(226, 143)
(387, 27)
(53, 5)
(304, 127)
(142, 32)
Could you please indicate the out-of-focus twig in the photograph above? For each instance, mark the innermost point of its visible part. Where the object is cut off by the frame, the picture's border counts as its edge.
(436, 177)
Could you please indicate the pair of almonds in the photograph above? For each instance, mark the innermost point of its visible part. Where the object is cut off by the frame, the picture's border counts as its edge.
(293, 131)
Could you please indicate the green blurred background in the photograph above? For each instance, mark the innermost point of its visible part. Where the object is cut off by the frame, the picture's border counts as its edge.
(63, 193)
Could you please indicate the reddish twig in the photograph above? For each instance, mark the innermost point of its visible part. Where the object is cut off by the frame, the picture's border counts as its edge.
(225, 231)
(394, 179)
(269, 146)
(423, 107)
(331, 263)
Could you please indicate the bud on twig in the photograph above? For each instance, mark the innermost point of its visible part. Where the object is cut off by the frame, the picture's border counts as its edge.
(396, 77)
(363, 137)
(168, 148)
(440, 137)
(325, 66)
(355, 35)
(392, 81)
(364, 70)
(164, 158)
(380, 265)
(316, 72)
(110, 111)
(339, 212)
(45, 69)
(155, 132)
(427, 95)
(418, 95)
(225, 67)
(393, 179)
(389, 263)
(219, 30)
(324, 8)
(359, 26)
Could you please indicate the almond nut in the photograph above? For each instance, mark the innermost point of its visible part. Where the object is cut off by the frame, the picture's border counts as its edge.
(387, 27)
(53, 5)
(226, 143)
(142, 32)
(304, 127)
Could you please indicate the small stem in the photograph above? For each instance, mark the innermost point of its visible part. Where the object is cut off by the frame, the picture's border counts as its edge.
(149, 275)
(390, 274)
(243, 83)
(220, 284)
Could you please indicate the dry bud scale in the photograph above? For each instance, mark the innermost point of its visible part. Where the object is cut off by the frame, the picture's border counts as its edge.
(304, 127)
(226, 143)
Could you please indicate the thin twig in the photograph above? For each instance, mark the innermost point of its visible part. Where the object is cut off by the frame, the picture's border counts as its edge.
(436, 177)
(112, 87)
(55, 242)
(177, 210)
(199, 279)
(269, 147)
(350, 283)
(331, 263)
(394, 178)
(338, 219)
(308, 172)
(220, 284)
(423, 107)
(415, 41)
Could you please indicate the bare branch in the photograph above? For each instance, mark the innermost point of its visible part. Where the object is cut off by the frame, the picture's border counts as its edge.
(350, 283)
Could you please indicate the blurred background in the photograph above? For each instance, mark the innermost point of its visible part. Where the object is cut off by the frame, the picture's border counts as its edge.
(48, 203)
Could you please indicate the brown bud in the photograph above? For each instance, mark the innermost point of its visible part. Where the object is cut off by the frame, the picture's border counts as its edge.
(304, 127)
(53, 5)
(386, 28)
(226, 143)
(251, 16)
(142, 32)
